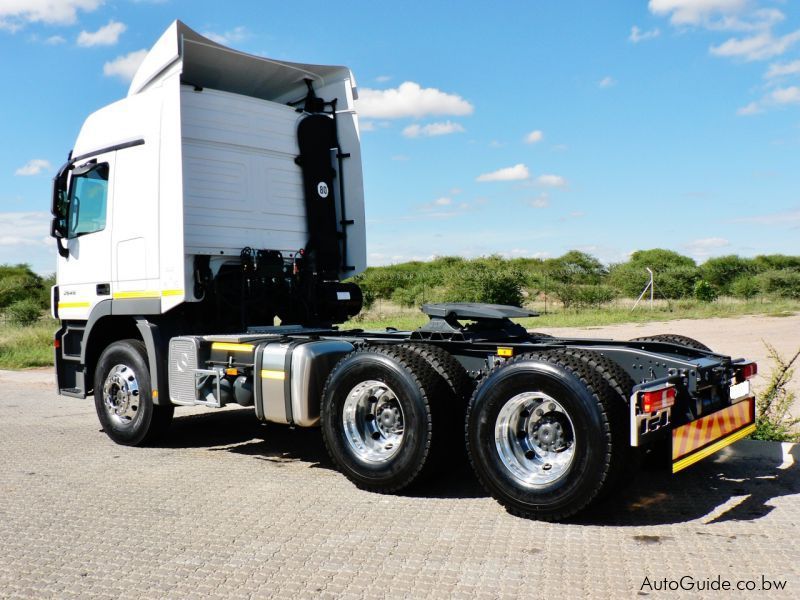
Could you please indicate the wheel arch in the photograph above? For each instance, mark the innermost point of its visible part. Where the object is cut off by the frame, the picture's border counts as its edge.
(104, 328)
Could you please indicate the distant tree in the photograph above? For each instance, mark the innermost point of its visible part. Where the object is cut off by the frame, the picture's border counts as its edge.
(776, 262)
(19, 282)
(674, 274)
(722, 271)
(575, 267)
(746, 287)
(704, 291)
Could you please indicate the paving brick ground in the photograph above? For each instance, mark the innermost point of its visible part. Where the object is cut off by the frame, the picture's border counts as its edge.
(229, 508)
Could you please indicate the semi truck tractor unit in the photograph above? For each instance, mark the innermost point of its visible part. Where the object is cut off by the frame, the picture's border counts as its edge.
(207, 225)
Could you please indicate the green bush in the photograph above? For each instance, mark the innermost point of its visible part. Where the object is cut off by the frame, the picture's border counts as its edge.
(704, 291)
(580, 296)
(677, 282)
(784, 284)
(746, 287)
(485, 281)
(575, 267)
(18, 283)
(24, 312)
(722, 271)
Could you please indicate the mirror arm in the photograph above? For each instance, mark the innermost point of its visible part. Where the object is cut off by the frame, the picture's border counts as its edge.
(63, 251)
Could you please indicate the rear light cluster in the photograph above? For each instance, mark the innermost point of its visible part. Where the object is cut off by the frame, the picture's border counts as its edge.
(655, 400)
(746, 371)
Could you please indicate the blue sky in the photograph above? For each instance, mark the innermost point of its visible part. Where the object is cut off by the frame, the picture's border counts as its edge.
(521, 128)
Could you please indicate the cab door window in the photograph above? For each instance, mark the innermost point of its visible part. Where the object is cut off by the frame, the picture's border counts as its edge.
(88, 197)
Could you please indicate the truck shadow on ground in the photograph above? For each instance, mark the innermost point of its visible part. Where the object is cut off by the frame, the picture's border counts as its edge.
(734, 486)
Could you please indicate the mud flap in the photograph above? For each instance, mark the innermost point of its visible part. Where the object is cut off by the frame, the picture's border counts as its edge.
(703, 437)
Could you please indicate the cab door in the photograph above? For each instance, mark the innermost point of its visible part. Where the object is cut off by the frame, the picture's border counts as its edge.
(84, 273)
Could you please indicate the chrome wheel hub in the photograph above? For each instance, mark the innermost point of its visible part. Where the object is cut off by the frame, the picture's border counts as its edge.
(373, 421)
(535, 439)
(121, 397)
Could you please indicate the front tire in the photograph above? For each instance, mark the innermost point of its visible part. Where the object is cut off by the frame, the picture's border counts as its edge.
(539, 436)
(123, 397)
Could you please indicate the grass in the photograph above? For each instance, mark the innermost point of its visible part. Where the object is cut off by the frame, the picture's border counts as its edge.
(386, 314)
(31, 346)
(774, 421)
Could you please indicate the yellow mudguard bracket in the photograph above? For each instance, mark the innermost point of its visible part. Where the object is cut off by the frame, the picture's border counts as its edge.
(701, 438)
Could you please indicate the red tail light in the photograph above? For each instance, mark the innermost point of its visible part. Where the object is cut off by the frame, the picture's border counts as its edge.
(56, 344)
(746, 371)
(658, 399)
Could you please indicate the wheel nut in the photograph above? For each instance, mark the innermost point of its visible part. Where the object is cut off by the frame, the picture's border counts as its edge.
(530, 455)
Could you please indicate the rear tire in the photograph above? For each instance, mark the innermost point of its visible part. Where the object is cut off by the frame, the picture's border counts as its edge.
(674, 338)
(123, 396)
(448, 408)
(376, 416)
(539, 436)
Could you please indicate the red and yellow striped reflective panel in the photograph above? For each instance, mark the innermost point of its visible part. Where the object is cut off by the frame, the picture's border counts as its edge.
(701, 438)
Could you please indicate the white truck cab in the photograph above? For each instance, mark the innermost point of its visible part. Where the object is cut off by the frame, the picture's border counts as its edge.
(166, 188)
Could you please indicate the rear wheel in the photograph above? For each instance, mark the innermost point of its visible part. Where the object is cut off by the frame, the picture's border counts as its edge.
(539, 436)
(376, 416)
(674, 338)
(123, 398)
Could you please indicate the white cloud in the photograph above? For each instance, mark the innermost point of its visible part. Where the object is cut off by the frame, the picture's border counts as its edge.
(24, 228)
(15, 14)
(124, 66)
(791, 217)
(383, 78)
(753, 108)
(55, 40)
(540, 201)
(783, 69)
(237, 34)
(33, 167)
(637, 35)
(756, 47)
(695, 12)
(108, 35)
(432, 129)
(705, 247)
(551, 180)
(444, 201)
(410, 99)
(515, 173)
(366, 125)
(606, 81)
(534, 137)
(787, 95)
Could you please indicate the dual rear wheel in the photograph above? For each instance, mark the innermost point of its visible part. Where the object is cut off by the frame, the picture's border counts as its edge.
(545, 432)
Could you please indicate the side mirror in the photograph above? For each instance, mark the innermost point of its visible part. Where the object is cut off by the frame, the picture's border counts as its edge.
(58, 230)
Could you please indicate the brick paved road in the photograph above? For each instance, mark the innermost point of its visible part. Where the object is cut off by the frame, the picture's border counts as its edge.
(233, 509)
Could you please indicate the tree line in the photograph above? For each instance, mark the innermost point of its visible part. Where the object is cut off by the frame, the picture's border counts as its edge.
(578, 279)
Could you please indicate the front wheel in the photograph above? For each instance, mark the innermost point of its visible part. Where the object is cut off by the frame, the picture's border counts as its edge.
(123, 398)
